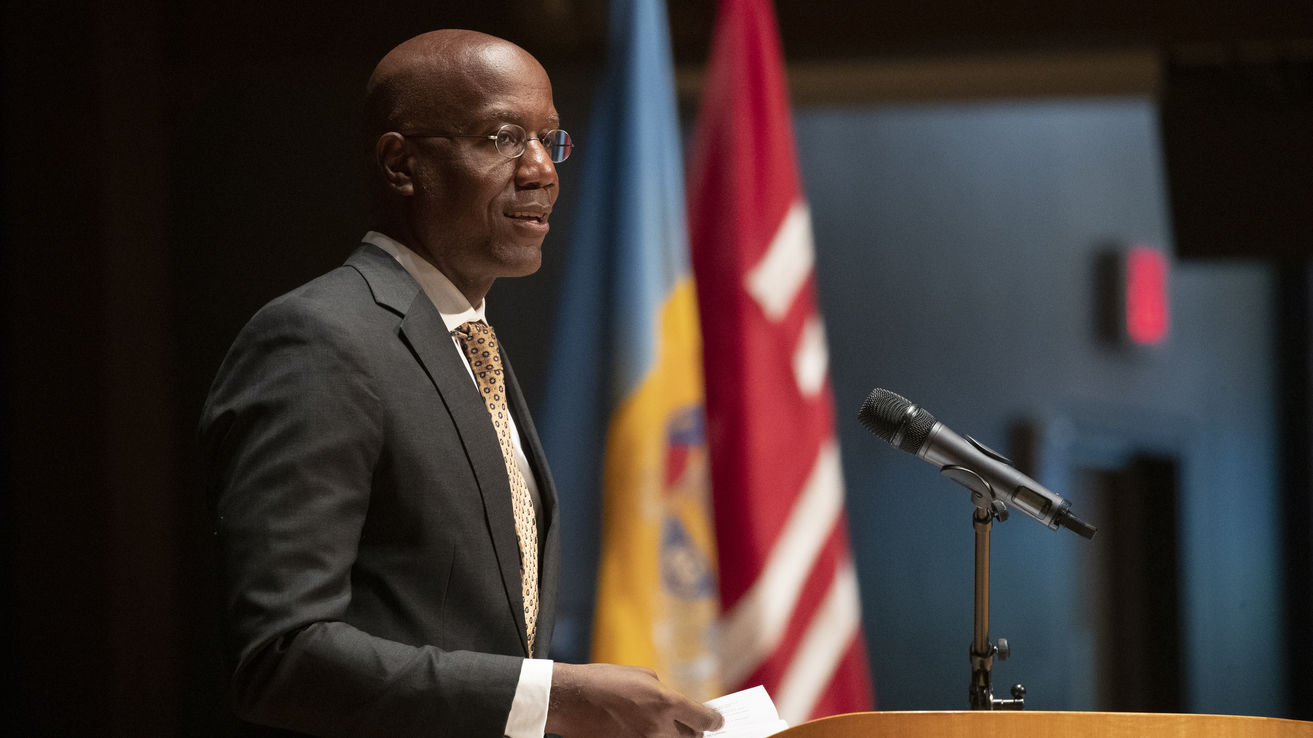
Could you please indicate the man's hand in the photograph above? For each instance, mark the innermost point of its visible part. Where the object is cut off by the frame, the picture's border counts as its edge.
(620, 702)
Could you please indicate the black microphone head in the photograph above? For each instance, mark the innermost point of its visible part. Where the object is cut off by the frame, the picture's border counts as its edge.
(895, 419)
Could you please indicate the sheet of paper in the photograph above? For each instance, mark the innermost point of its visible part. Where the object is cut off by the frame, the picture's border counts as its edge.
(748, 714)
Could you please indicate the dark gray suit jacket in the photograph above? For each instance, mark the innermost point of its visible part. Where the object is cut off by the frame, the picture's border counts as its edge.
(370, 569)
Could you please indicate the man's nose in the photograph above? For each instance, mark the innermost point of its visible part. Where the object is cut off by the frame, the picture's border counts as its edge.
(535, 166)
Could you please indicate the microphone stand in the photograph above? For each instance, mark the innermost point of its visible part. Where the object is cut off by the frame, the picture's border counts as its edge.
(982, 651)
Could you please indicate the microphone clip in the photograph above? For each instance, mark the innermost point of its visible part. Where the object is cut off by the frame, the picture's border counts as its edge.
(982, 494)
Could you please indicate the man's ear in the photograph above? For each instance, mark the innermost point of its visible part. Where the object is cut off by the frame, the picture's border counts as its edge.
(393, 159)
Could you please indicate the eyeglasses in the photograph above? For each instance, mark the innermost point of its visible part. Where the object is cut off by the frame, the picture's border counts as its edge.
(511, 141)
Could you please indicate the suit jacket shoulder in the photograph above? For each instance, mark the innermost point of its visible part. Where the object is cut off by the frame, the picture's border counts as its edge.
(370, 567)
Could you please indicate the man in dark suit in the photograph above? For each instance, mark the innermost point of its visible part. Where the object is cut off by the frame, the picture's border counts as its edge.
(376, 578)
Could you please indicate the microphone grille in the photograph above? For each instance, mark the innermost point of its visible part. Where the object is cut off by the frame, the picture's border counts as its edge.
(895, 419)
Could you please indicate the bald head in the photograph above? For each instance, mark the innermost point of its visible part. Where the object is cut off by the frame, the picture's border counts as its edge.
(435, 106)
(430, 78)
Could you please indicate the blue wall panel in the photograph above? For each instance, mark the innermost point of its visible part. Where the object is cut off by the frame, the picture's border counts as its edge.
(956, 250)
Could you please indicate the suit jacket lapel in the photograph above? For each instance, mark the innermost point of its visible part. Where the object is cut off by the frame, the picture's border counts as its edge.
(424, 332)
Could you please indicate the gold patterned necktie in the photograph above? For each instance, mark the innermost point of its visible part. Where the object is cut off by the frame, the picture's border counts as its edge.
(480, 345)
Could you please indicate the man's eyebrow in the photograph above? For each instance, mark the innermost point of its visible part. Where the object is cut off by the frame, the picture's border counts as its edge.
(513, 116)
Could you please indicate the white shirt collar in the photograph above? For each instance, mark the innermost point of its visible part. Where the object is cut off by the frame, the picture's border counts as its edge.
(450, 301)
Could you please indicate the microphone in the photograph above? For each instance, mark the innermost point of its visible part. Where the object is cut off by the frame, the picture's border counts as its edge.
(970, 463)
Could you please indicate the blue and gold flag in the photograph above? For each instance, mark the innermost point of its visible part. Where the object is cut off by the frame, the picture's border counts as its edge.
(624, 411)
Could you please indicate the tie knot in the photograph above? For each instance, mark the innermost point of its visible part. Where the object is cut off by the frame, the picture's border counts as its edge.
(480, 345)
(478, 332)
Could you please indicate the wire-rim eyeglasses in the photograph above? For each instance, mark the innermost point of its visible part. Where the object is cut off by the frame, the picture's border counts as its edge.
(511, 141)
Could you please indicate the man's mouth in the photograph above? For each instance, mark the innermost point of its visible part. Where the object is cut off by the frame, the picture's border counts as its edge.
(529, 215)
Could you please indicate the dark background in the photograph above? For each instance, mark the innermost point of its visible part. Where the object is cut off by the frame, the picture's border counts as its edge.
(169, 167)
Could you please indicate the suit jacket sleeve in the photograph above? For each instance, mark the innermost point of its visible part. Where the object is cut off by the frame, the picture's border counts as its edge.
(296, 431)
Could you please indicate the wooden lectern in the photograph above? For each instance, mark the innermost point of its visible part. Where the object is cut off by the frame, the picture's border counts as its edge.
(1022, 724)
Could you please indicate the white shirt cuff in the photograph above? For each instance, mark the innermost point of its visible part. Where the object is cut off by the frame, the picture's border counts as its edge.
(528, 718)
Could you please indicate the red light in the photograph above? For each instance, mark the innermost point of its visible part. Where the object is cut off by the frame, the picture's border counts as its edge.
(1146, 295)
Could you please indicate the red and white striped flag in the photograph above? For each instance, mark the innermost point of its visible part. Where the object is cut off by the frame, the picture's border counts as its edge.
(788, 588)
